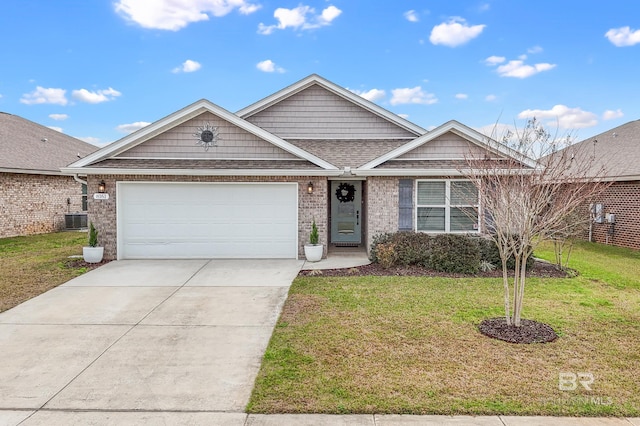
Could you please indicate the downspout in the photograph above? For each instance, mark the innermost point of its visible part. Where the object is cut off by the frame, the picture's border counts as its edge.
(77, 179)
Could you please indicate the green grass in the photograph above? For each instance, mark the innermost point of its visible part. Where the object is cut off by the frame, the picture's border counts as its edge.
(410, 345)
(616, 266)
(34, 264)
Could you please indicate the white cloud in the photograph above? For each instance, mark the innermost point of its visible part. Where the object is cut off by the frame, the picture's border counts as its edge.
(612, 115)
(462, 96)
(413, 95)
(57, 129)
(494, 60)
(91, 140)
(454, 33)
(490, 98)
(83, 95)
(535, 49)
(370, 95)
(45, 96)
(411, 16)
(174, 15)
(187, 66)
(623, 36)
(301, 17)
(58, 117)
(563, 117)
(269, 66)
(519, 69)
(405, 116)
(132, 127)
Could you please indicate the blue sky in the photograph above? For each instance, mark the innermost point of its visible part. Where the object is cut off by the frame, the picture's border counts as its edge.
(98, 69)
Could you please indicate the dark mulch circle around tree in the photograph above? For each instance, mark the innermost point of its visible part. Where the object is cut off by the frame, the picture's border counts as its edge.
(528, 332)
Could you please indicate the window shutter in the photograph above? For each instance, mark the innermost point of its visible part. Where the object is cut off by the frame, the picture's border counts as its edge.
(405, 212)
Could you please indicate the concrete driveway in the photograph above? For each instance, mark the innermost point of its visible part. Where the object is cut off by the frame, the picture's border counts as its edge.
(144, 336)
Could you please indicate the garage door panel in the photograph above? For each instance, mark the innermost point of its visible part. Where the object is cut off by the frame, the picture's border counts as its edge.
(168, 220)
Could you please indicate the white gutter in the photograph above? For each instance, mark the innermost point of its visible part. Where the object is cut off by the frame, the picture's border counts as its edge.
(433, 172)
(77, 179)
(203, 172)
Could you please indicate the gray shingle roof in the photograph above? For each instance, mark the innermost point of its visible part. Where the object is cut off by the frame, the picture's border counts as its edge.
(616, 150)
(25, 145)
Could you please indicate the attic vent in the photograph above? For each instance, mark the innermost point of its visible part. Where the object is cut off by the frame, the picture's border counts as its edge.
(44, 139)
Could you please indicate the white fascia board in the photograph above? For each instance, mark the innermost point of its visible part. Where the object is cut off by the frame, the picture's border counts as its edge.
(461, 130)
(340, 91)
(31, 172)
(407, 172)
(200, 172)
(185, 114)
(433, 172)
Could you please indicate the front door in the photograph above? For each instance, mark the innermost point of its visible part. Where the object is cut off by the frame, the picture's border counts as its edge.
(346, 214)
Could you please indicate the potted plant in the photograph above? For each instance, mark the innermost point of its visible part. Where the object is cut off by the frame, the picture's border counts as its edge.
(313, 251)
(92, 253)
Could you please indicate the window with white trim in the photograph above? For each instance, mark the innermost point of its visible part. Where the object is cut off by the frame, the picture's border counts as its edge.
(446, 206)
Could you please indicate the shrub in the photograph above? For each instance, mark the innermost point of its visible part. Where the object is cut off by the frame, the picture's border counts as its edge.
(410, 248)
(93, 235)
(387, 255)
(489, 252)
(455, 254)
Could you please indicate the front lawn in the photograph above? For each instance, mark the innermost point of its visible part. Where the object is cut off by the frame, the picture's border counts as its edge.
(34, 264)
(411, 345)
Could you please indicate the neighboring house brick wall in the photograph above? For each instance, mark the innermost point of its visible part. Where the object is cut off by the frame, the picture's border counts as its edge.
(310, 206)
(35, 204)
(623, 200)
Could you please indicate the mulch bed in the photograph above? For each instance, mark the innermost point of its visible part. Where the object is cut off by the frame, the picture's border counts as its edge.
(528, 332)
(80, 263)
(540, 269)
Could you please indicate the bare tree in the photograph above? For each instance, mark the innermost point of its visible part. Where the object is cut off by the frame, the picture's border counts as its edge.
(529, 187)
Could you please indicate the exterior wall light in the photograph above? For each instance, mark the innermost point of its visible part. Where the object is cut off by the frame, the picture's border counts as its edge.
(310, 188)
(102, 187)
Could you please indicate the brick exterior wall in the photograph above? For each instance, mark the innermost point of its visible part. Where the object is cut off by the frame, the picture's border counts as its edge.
(35, 204)
(310, 206)
(623, 200)
(382, 206)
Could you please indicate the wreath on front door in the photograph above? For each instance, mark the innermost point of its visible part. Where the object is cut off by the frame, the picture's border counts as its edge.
(345, 192)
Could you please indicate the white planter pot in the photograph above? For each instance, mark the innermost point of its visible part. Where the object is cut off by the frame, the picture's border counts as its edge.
(92, 254)
(313, 252)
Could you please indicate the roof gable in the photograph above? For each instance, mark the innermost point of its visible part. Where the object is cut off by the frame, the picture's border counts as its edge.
(446, 142)
(314, 108)
(616, 152)
(153, 133)
(181, 142)
(26, 147)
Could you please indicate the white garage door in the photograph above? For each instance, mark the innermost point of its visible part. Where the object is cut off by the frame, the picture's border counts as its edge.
(207, 220)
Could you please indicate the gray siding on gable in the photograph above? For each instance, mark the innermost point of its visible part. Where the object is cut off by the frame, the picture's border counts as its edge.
(316, 113)
(180, 142)
(448, 146)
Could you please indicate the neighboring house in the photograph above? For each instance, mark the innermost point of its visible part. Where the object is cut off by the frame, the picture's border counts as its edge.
(34, 194)
(616, 158)
(204, 182)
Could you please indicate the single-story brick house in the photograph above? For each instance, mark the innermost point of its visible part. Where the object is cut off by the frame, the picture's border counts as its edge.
(34, 194)
(616, 154)
(205, 182)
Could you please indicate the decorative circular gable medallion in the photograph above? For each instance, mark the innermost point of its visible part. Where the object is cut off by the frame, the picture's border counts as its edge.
(207, 136)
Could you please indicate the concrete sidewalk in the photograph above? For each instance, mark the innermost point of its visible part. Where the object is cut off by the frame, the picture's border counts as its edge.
(75, 418)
